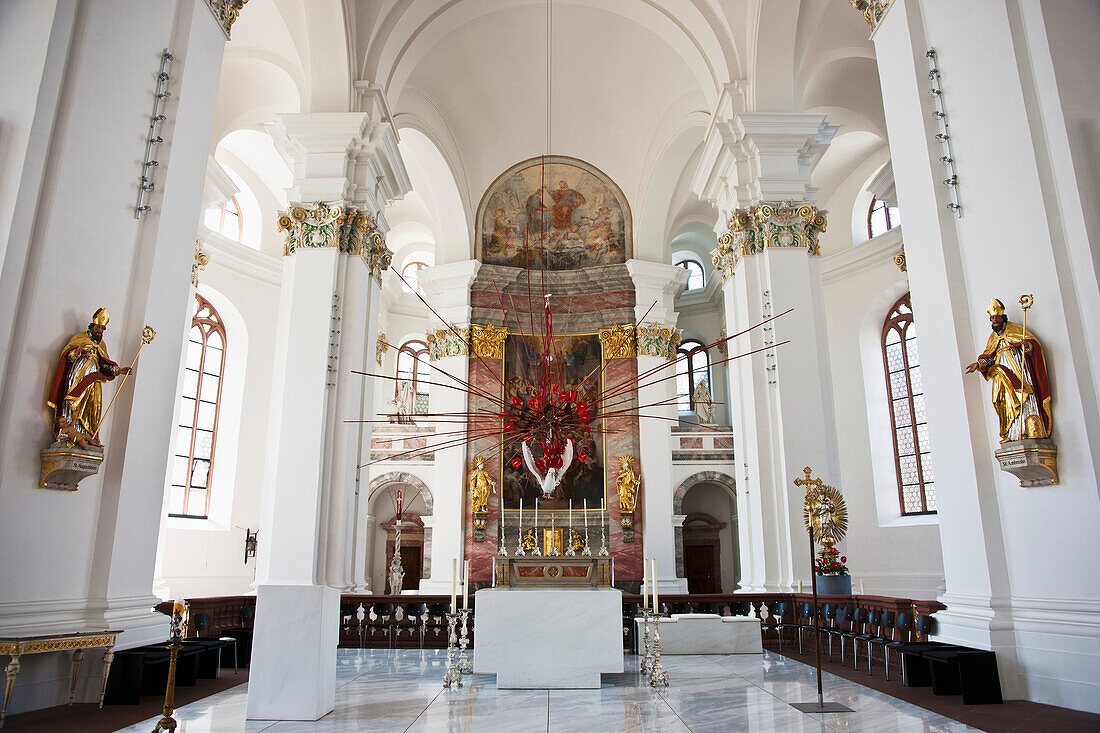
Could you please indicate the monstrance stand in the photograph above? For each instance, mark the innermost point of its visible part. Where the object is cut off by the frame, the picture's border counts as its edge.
(813, 486)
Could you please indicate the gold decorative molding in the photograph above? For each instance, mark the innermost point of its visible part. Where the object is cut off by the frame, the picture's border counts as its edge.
(349, 230)
(872, 10)
(899, 259)
(768, 224)
(446, 342)
(619, 342)
(226, 12)
(201, 261)
(487, 342)
(656, 340)
(380, 348)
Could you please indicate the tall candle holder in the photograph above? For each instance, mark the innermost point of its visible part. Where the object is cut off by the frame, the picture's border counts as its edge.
(464, 665)
(603, 534)
(657, 673)
(553, 551)
(453, 674)
(647, 653)
(501, 549)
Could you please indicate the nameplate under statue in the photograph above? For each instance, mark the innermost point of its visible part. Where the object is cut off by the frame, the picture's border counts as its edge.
(1015, 366)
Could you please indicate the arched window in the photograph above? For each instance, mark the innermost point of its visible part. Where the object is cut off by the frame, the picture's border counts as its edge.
(197, 432)
(881, 218)
(226, 219)
(696, 276)
(412, 366)
(692, 367)
(912, 449)
(411, 273)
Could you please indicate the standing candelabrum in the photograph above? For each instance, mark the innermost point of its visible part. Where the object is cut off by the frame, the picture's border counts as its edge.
(501, 549)
(657, 673)
(587, 551)
(397, 573)
(647, 649)
(175, 641)
(603, 533)
(464, 666)
(454, 674)
(553, 551)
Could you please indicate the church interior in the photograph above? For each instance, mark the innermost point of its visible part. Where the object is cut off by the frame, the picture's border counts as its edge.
(333, 323)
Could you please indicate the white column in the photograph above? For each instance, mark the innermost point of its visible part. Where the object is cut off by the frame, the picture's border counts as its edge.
(447, 289)
(781, 398)
(656, 286)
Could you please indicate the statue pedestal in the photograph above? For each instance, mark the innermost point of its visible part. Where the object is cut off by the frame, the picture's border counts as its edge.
(1034, 461)
(548, 639)
(64, 465)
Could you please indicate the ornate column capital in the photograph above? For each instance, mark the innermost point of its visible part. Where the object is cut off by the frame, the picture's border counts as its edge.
(380, 348)
(349, 230)
(226, 12)
(654, 339)
(872, 10)
(446, 342)
(768, 224)
(487, 342)
(619, 342)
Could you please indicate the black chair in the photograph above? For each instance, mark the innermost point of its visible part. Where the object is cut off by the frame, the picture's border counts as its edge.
(914, 669)
(805, 621)
(416, 616)
(242, 638)
(707, 607)
(859, 618)
(382, 617)
(630, 610)
(741, 608)
(437, 618)
(775, 622)
(836, 629)
(679, 607)
(884, 637)
(213, 660)
(874, 620)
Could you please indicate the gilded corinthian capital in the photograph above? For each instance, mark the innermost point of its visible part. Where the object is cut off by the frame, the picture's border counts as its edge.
(487, 342)
(349, 230)
(768, 224)
(619, 342)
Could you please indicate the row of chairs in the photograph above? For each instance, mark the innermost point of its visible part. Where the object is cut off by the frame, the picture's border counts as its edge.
(854, 625)
(393, 620)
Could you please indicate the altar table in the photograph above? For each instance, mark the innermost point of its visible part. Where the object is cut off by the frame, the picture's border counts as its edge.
(708, 633)
(548, 638)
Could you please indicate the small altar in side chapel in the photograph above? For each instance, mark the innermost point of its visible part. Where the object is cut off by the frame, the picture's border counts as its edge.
(550, 623)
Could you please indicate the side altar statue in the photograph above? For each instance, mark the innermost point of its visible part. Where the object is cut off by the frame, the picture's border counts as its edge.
(1015, 366)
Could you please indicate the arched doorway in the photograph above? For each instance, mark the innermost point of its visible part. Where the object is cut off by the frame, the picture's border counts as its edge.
(416, 534)
(707, 549)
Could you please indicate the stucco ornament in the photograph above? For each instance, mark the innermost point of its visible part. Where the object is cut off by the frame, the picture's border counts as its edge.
(619, 342)
(768, 224)
(657, 340)
(448, 342)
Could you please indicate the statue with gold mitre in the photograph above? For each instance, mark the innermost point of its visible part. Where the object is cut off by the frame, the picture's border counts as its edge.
(626, 484)
(481, 485)
(1013, 362)
(76, 391)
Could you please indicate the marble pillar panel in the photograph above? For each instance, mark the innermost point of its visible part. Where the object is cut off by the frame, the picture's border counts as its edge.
(485, 375)
(548, 639)
(293, 670)
(623, 440)
(707, 633)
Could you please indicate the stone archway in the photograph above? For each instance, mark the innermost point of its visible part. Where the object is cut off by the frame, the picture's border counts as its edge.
(702, 477)
(394, 478)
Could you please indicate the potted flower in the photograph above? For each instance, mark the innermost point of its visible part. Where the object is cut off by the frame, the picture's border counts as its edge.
(832, 573)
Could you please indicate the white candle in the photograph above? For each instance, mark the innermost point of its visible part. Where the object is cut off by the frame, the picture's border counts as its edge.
(520, 521)
(570, 514)
(465, 585)
(454, 582)
(800, 586)
(653, 577)
(586, 514)
(645, 584)
(536, 514)
(861, 591)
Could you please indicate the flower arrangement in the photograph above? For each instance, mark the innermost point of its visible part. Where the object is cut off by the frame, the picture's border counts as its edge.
(828, 563)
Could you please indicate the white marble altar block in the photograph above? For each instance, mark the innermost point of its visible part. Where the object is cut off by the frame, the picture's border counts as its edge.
(542, 638)
(295, 635)
(708, 633)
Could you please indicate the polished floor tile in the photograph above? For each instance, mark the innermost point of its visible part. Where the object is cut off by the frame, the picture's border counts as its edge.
(387, 691)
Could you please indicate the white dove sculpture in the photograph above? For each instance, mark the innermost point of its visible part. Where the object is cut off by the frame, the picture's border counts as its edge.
(548, 482)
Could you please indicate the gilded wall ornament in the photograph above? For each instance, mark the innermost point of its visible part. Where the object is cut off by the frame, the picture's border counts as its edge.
(899, 259)
(768, 224)
(201, 261)
(349, 230)
(446, 342)
(487, 342)
(226, 12)
(872, 10)
(656, 340)
(380, 348)
(619, 342)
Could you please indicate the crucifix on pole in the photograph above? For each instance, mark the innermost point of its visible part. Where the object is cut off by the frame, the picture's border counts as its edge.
(814, 488)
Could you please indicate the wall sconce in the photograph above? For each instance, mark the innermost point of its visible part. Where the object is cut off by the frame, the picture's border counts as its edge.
(249, 544)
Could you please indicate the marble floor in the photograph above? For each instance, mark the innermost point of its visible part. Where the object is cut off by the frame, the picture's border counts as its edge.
(387, 691)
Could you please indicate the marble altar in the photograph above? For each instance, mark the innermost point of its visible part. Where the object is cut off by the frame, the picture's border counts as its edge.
(708, 633)
(548, 638)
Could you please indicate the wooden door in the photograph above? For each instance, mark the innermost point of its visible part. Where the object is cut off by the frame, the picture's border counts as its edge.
(410, 565)
(699, 569)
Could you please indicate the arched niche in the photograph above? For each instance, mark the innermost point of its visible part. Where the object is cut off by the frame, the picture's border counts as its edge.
(715, 529)
(383, 525)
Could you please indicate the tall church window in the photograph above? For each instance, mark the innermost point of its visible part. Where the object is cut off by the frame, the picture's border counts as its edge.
(412, 366)
(226, 220)
(881, 218)
(696, 277)
(196, 434)
(692, 367)
(411, 273)
(912, 449)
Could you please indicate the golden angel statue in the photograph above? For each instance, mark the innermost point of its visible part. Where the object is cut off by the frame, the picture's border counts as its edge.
(481, 485)
(1013, 362)
(76, 391)
(626, 484)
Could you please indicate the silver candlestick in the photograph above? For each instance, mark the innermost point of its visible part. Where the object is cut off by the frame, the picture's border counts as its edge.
(501, 549)
(464, 665)
(603, 533)
(647, 649)
(453, 673)
(657, 673)
(553, 551)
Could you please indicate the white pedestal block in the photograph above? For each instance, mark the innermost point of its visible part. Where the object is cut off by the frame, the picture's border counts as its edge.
(707, 633)
(539, 639)
(293, 672)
